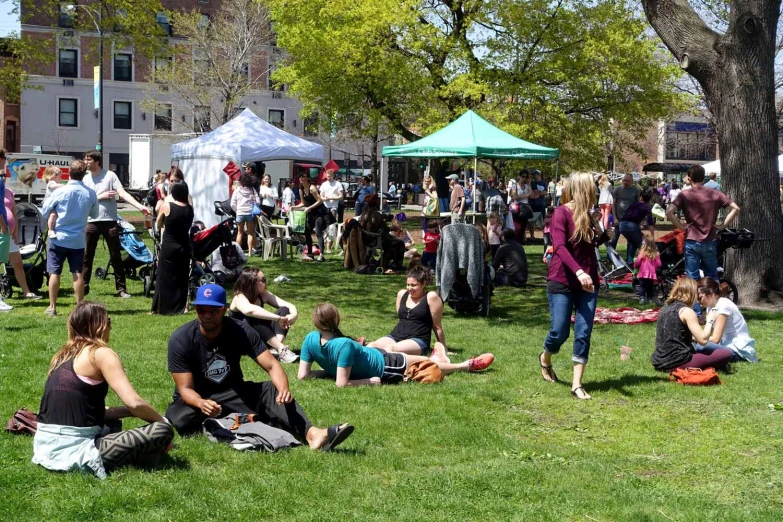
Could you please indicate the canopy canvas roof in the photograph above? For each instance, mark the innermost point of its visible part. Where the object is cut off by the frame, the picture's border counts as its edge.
(248, 138)
(714, 166)
(471, 136)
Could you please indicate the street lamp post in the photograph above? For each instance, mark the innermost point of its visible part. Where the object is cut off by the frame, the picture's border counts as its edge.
(99, 26)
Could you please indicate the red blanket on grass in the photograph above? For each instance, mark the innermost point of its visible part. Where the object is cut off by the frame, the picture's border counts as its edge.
(624, 316)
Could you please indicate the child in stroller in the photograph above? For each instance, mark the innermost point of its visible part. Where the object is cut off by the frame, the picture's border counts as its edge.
(138, 255)
(32, 249)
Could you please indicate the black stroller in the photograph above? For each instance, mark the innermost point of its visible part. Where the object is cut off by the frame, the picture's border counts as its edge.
(462, 275)
(30, 233)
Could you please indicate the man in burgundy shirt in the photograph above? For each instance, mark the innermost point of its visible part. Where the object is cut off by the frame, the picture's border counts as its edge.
(701, 205)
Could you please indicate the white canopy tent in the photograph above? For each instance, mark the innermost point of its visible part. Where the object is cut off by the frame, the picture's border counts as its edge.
(245, 138)
(714, 166)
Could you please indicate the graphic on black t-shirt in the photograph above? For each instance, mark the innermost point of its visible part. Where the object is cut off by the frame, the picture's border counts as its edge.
(217, 369)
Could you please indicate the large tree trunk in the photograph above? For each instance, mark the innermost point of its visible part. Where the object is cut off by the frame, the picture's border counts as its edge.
(736, 72)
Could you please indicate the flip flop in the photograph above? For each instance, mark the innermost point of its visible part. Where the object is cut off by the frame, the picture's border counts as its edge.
(336, 435)
(550, 372)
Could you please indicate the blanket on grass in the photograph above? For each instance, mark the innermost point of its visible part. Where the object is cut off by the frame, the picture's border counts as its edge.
(624, 316)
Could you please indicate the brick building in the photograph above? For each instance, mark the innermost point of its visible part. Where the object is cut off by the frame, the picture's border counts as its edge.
(58, 114)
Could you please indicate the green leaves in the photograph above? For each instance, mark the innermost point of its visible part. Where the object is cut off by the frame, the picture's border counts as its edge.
(558, 73)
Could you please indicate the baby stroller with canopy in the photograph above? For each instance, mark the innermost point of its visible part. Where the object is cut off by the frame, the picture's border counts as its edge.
(138, 255)
(613, 270)
(461, 274)
(203, 243)
(30, 234)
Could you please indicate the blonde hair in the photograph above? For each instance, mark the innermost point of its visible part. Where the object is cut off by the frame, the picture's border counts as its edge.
(565, 195)
(88, 329)
(603, 180)
(581, 191)
(648, 250)
(684, 290)
(494, 217)
(50, 172)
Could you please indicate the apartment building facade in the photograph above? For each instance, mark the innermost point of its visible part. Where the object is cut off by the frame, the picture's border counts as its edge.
(58, 112)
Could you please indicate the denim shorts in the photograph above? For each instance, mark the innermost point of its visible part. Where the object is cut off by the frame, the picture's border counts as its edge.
(422, 344)
(56, 256)
(243, 218)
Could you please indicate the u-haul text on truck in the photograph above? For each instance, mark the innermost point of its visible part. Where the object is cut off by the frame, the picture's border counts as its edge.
(24, 173)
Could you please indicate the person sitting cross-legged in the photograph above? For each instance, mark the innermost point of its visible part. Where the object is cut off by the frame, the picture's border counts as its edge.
(204, 361)
(352, 364)
(510, 261)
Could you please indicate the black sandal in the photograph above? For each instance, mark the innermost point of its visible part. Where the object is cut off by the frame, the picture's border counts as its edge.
(585, 397)
(549, 371)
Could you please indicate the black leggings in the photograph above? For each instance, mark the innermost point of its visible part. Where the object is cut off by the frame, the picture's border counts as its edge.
(319, 226)
(268, 329)
(245, 397)
(142, 446)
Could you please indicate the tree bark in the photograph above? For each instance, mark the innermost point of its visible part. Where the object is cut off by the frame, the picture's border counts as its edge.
(736, 73)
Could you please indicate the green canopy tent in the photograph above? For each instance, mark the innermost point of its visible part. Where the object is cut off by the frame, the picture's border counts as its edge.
(469, 136)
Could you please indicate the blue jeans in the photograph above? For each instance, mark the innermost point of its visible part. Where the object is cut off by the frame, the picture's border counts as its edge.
(701, 255)
(359, 208)
(633, 234)
(560, 307)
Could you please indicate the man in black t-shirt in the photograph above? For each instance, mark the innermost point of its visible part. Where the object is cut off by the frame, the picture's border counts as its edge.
(204, 361)
(510, 262)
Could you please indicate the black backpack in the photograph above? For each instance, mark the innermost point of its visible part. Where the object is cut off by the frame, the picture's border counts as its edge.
(151, 199)
(230, 256)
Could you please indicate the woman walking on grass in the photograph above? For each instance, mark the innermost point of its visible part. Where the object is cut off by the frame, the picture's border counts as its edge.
(242, 201)
(677, 328)
(572, 278)
(72, 433)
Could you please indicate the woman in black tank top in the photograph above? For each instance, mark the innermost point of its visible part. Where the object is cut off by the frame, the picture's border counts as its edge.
(80, 376)
(419, 313)
(316, 216)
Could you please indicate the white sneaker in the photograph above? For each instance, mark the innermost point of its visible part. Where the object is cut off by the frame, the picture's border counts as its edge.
(5, 307)
(287, 356)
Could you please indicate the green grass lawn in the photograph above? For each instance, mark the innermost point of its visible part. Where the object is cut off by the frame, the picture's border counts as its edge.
(501, 445)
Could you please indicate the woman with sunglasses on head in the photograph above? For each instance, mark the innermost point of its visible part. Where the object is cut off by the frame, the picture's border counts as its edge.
(317, 219)
(678, 327)
(72, 432)
(729, 329)
(250, 296)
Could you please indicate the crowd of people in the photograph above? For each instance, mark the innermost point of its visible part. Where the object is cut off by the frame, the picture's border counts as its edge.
(697, 327)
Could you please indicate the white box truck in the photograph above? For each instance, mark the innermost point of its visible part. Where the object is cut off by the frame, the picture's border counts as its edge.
(24, 173)
(148, 153)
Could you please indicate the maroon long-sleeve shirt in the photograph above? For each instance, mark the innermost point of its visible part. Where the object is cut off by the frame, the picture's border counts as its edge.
(569, 257)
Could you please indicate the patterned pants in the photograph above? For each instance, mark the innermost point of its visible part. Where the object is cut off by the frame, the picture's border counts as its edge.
(141, 446)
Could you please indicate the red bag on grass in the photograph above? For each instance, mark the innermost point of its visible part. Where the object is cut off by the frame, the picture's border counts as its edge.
(23, 422)
(695, 376)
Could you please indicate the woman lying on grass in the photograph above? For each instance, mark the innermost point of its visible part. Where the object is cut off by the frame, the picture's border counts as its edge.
(419, 312)
(352, 364)
(678, 326)
(71, 433)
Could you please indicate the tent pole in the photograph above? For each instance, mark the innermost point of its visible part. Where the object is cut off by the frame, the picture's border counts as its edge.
(380, 189)
(475, 167)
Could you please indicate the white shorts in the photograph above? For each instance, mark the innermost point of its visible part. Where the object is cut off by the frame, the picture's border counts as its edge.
(13, 247)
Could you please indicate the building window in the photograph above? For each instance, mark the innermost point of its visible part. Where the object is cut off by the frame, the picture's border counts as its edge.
(691, 146)
(277, 117)
(122, 115)
(310, 125)
(201, 119)
(271, 84)
(10, 136)
(164, 23)
(68, 63)
(66, 18)
(203, 21)
(200, 70)
(163, 118)
(123, 67)
(68, 109)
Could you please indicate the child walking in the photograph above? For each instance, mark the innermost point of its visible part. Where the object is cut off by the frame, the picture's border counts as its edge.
(648, 262)
(494, 228)
(431, 240)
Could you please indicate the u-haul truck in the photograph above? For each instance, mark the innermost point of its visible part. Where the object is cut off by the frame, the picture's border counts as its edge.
(24, 173)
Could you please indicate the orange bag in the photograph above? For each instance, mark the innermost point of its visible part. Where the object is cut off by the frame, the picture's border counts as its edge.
(424, 371)
(695, 376)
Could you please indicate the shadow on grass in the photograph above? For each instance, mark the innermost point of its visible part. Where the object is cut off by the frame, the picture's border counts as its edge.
(621, 383)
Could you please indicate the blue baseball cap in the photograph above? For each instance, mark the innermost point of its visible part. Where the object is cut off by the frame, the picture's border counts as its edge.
(210, 295)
